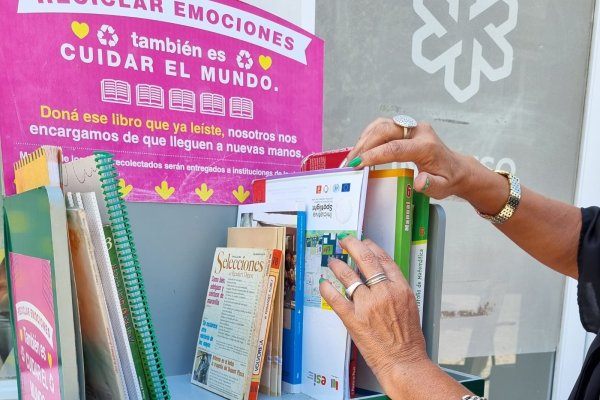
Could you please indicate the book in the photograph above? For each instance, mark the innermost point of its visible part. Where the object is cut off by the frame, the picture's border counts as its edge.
(42, 296)
(265, 374)
(135, 342)
(240, 289)
(388, 213)
(293, 217)
(103, 373)
(97, 174)
(40, 168)
(324, 159)
(335, 201)
(8, 371)
(418, 248)
(108, 278)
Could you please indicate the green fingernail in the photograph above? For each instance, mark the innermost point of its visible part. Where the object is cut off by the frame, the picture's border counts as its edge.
(355, 162)
(427, 184)
(321, 280)
(341, 236)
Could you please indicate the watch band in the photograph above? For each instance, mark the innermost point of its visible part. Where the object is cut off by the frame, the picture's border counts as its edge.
(514, 197)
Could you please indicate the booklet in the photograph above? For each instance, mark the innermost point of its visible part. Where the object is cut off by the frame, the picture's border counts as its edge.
(335, 204)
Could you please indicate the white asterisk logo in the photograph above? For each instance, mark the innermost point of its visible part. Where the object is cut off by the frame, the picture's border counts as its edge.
(465, 39)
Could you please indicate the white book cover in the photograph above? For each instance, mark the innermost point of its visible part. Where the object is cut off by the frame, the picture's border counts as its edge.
(335, 204)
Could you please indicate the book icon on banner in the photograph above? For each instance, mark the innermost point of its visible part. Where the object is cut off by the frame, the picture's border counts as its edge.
(241, 107)
(115, 91)
(150, 96)
(182, 100)
(212, 104)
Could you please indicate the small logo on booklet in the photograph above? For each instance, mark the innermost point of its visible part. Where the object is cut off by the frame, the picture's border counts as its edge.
(345, 187)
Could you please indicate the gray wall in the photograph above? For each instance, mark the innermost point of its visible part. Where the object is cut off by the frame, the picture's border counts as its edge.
(176, 245)
(527, 121)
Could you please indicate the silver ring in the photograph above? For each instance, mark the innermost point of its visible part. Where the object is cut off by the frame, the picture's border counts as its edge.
(406, 122)
(378, 277)
(350, 290)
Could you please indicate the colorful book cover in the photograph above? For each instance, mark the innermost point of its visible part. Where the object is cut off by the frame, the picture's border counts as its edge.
(335, 201)
(388, 213)
(418, 248)
(43, 306)
(293, 217)
(239, 286)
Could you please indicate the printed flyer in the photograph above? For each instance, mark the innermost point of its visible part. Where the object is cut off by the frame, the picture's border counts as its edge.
(35, 326)
(194, 98)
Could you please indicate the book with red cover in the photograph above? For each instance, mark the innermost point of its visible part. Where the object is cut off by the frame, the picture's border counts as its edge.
(324, 159)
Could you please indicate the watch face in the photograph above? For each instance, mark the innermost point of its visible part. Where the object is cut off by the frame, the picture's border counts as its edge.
(405, 121)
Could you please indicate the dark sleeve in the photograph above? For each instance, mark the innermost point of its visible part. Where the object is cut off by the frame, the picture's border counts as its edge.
(588, 260)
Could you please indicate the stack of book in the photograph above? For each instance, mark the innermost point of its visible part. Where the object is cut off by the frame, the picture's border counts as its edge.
(81, 321)
(378, 204)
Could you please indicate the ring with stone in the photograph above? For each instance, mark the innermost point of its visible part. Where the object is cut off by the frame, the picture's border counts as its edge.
(350, 289)
(406, 122)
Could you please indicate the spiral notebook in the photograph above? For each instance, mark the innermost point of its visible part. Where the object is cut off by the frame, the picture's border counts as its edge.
(97, 173)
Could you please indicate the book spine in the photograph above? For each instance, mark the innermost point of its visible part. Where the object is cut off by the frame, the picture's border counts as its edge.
(132, 277)
(265, 323)
(133, 341)
(418, 248)
(259, 190)
(404, 223)
(295, 375)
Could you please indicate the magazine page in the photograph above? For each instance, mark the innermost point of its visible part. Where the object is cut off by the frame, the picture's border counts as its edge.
(227, 340)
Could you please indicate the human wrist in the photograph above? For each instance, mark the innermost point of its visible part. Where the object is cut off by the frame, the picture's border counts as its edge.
(405, 381)
(486, 190)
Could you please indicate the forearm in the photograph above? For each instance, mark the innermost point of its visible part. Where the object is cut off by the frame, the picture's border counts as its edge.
(547, 229)
(421, 381)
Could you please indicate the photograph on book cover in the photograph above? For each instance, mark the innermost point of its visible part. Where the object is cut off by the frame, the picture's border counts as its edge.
(184, 95)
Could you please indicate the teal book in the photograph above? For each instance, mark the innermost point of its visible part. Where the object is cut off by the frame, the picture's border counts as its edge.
(42, 296)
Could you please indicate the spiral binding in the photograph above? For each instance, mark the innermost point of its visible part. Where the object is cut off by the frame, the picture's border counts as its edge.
(132, 277)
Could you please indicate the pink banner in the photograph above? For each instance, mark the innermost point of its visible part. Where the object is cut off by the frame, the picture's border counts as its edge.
(194, 98)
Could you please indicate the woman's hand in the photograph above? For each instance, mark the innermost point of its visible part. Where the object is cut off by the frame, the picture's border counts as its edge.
(442, 172)
(383, 320)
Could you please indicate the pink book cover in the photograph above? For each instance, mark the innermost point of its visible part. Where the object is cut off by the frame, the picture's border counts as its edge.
(35, 327)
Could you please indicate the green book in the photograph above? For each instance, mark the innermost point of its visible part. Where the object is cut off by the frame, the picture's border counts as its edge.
(418, 247)
(42, 296)
(388, 213)
(134, 339)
